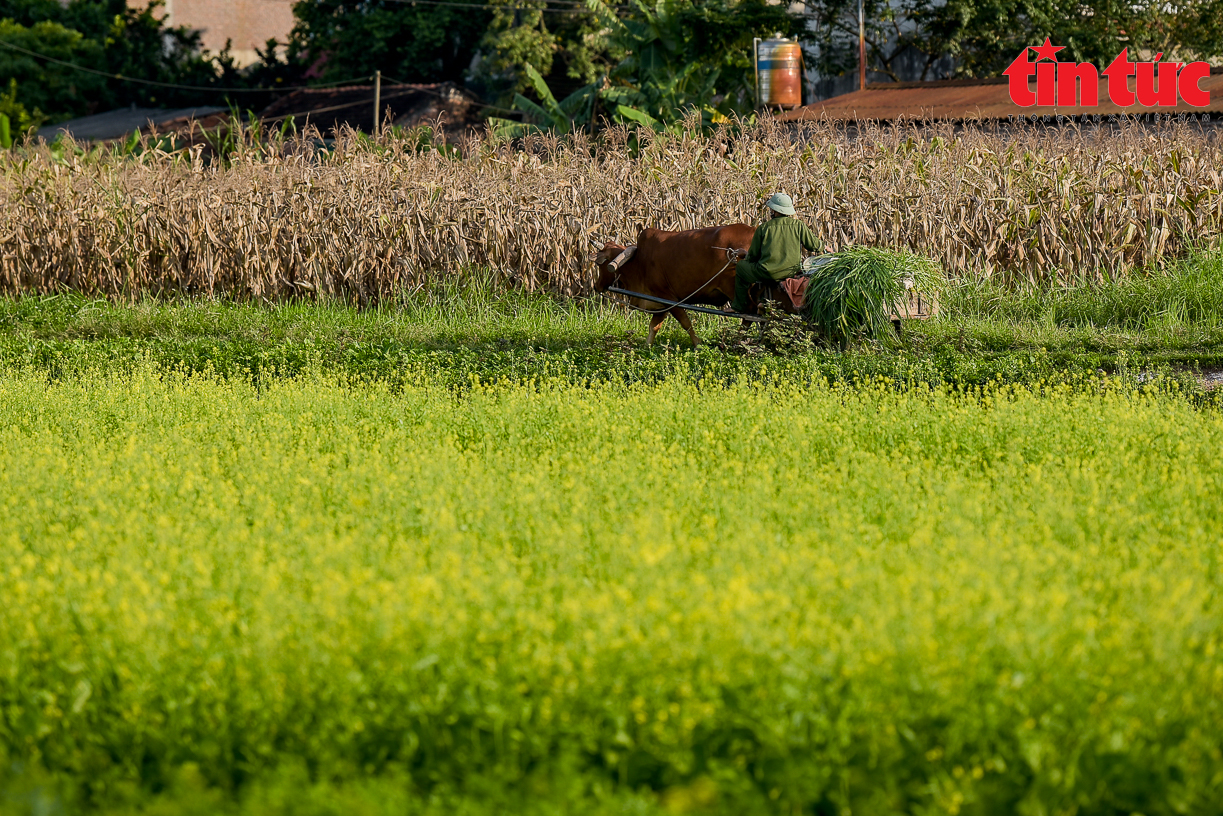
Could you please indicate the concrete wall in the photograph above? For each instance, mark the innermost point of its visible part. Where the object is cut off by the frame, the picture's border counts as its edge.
(248, 23)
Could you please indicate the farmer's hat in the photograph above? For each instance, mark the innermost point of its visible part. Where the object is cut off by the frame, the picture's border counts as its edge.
(782, 203)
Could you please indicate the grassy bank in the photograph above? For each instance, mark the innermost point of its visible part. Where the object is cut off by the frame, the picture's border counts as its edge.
(1172, 322)
(312, 598)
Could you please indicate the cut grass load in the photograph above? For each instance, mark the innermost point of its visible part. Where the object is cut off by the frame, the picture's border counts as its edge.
(855, 292)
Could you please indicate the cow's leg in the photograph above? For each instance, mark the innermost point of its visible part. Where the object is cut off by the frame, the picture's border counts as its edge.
(655, 321)
(686, 322)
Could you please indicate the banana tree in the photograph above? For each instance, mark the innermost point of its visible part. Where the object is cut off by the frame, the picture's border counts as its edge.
(577, 110)
(674, 56)
(574, 111)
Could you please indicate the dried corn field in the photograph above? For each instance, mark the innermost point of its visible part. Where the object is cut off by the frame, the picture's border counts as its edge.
(368, 220)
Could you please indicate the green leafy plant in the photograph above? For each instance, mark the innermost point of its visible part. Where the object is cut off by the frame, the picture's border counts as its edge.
(678, 57)
(671, 59)
(110, 36)
(415, 43)
(572, 112)
(15, 120)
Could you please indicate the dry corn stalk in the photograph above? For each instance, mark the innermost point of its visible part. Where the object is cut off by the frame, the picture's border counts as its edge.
(368, 219)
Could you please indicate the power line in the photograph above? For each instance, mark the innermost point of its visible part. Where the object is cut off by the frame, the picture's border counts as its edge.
(580, 6)
(414, 90)
(334, 108)
(174, 85)
(443, 96)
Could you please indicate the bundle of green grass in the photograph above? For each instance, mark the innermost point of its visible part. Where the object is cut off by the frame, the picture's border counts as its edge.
(852, 294)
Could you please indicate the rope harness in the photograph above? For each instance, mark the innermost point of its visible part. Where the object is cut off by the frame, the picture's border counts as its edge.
(624, 257)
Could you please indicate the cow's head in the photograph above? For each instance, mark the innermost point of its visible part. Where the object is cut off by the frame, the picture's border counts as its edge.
(610, 259)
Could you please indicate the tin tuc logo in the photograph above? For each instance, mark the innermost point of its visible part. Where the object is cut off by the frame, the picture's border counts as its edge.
(1057, 82)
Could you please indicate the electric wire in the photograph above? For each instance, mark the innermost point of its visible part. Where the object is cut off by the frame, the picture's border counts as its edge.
(306, 114)
(334, 108)
(173, 85)
(386, 78)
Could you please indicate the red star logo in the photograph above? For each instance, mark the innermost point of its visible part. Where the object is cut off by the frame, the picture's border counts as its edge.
(1047, 51)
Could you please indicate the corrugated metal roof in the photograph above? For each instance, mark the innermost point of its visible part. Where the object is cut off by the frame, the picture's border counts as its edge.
(328, 108)
(118, 123)
(969, 99)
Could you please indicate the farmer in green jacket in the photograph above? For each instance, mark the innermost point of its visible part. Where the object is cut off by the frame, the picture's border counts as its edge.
(776, 252)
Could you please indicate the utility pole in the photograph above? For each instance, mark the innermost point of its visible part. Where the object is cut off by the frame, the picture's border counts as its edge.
(756, 67)
(377, 98)
(861, 46)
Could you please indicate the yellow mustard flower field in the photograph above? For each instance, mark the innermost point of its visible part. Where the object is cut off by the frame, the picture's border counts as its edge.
(309, 596)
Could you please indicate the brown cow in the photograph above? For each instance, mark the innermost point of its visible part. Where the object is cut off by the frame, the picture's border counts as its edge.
(689, 267)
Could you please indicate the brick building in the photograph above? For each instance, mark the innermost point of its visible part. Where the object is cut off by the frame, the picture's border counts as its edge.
(247, 23)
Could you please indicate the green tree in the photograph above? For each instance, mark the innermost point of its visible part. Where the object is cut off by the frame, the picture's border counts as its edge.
(564, 42)
(677, 55)
(894, 30)
(981, 37)
(106, 36)
(46, 88)
(1185, 31)
(351, 38)
(664, 60)
(29, 12)
(518, 36)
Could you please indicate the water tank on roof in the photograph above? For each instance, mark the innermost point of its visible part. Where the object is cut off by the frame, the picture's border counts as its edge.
(779, 73)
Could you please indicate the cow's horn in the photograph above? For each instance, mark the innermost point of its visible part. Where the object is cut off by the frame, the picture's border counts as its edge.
(623, 258)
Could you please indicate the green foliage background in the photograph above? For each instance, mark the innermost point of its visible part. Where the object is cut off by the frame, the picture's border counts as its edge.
(981, 37)
(409, 43)
(103, 35)
(658, 60)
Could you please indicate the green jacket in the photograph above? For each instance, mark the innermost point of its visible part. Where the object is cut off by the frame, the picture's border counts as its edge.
(777, 247)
